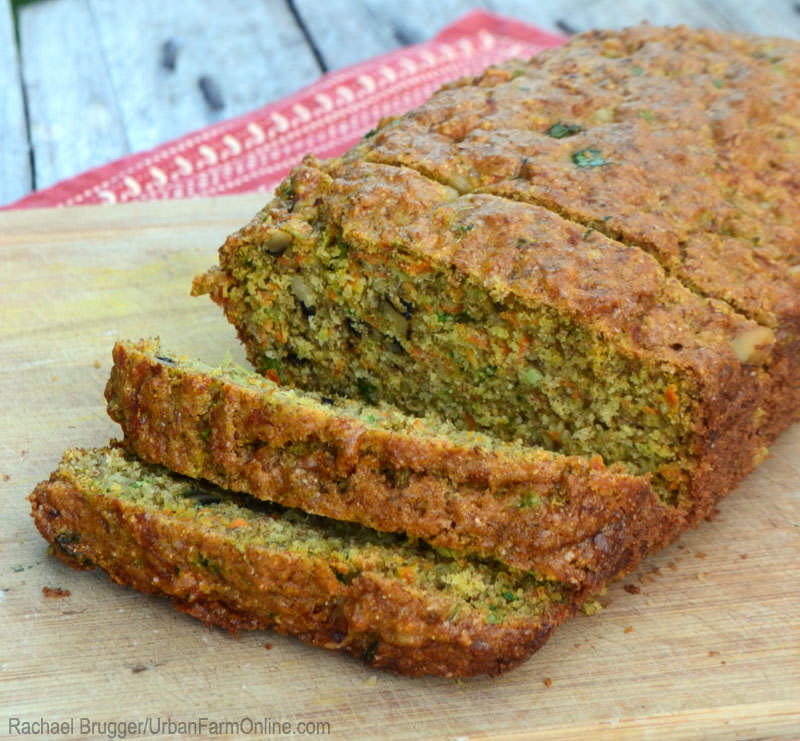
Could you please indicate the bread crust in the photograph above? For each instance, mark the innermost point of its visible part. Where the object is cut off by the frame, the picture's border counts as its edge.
(375, 617)
(587, 523)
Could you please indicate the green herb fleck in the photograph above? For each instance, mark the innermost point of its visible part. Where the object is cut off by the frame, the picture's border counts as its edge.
(637, 70)
(493, 619)
(589, 157)
(345, 576)
(287, 191)
(461, 316)
(530, 501)
(206, 433)
(269, 363)
(209, 563)
(370, 133)
(462, 229)
(560, 130)
(531, 376)
(517, 73)
(717, 82)
(647, 116)
(509, 596)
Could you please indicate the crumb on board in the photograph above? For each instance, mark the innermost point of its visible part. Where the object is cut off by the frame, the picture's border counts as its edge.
(631, 589)
(743, 556)
(6, 477)
(548, 682)
(55, 592)
(713, 653)
(268, 646)
(96, 364)
(629, 629)
(672, 565)
(699, 554)
(55, 378)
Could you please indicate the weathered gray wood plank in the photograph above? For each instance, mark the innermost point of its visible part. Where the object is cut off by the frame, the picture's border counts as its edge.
(254, 52)
(582, 16)
(349, 31)
(74, 120)
(15, 170)
(767, 17)
(770, 17)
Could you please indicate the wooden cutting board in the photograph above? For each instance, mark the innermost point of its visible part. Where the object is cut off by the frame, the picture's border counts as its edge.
(704, 642)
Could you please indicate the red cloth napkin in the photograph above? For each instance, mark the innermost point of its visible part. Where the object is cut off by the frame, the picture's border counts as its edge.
(254, 152)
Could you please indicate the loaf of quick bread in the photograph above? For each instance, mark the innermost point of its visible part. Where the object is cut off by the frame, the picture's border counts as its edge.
(513, 341)
(565, 517)
(595, 252)
(243, 564)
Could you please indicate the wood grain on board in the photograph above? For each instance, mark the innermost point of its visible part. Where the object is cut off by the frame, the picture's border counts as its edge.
(704, 643)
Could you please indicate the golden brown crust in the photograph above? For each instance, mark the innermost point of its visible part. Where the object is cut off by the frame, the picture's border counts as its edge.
(723, 169)
(374, 617)
(563, 517)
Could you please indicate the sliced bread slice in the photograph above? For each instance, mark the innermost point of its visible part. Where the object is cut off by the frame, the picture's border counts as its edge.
(242, 564)
(566, 517)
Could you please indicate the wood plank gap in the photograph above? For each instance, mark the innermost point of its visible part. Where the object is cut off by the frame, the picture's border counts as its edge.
(73, 113)
(16, 63)
(308, 37)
